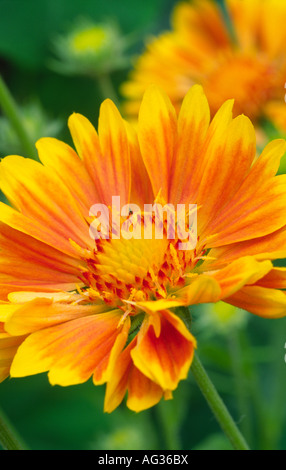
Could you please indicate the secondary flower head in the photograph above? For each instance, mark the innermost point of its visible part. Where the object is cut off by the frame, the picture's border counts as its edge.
(246, 62)
(90, 288)
(91, 49)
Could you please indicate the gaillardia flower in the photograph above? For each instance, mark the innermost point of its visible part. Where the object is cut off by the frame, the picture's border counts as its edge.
(82, 297)
(246, 62)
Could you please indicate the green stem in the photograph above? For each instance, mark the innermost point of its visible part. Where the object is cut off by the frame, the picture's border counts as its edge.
(107, 89)
(228, 21)
(277, 418)
(239, 379)
(159, 429)
(217, 406)
(258, 403)
(11, 110)
(9, 438)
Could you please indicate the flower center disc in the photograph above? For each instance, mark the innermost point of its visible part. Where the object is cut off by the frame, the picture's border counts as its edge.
(91, 39)
(145, 262)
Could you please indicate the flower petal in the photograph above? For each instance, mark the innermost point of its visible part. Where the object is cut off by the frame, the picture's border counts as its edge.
(41, 197)
(106, 154)
(142, 392)
(104, 371)
(201, 22)
(141, 189)
(114, 168)
(270, 247)
(193, 123)
(117, 384)
(203, 289)
(166, 358)
(245, 216)
(36, 230)
(275, 279)
(267, 303)
(266, 165)
(33, 265)
(229, 157)
(65, 162)
(71, 351)
(45, 312)
(242, 271)
(157, 133)
(259, 192)
(247, 18)
(275, 111)
(272, 32)
(6, 311)
(8, 349)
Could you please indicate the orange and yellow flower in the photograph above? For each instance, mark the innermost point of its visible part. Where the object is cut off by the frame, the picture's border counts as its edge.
(246, 62)
(111, 308)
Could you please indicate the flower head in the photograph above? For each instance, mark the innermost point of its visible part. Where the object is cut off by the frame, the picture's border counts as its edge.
(248, 65)
(90, 288)
(91, 49)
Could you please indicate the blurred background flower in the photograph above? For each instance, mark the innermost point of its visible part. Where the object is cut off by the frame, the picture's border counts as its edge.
(220, 319)
(234, 48)
(94, 50)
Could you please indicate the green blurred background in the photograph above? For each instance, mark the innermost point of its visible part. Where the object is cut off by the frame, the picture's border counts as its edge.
(245, 357)
(28, 29)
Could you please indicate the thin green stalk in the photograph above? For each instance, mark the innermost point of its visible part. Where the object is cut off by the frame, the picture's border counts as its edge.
(258, 402)
(217, 406)
(269, 405)
(228, 21)
(279, 381)
(239, 378)
(9, 438)
(10, 108)
(162, 428)
(107, 89)
(156, 423)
